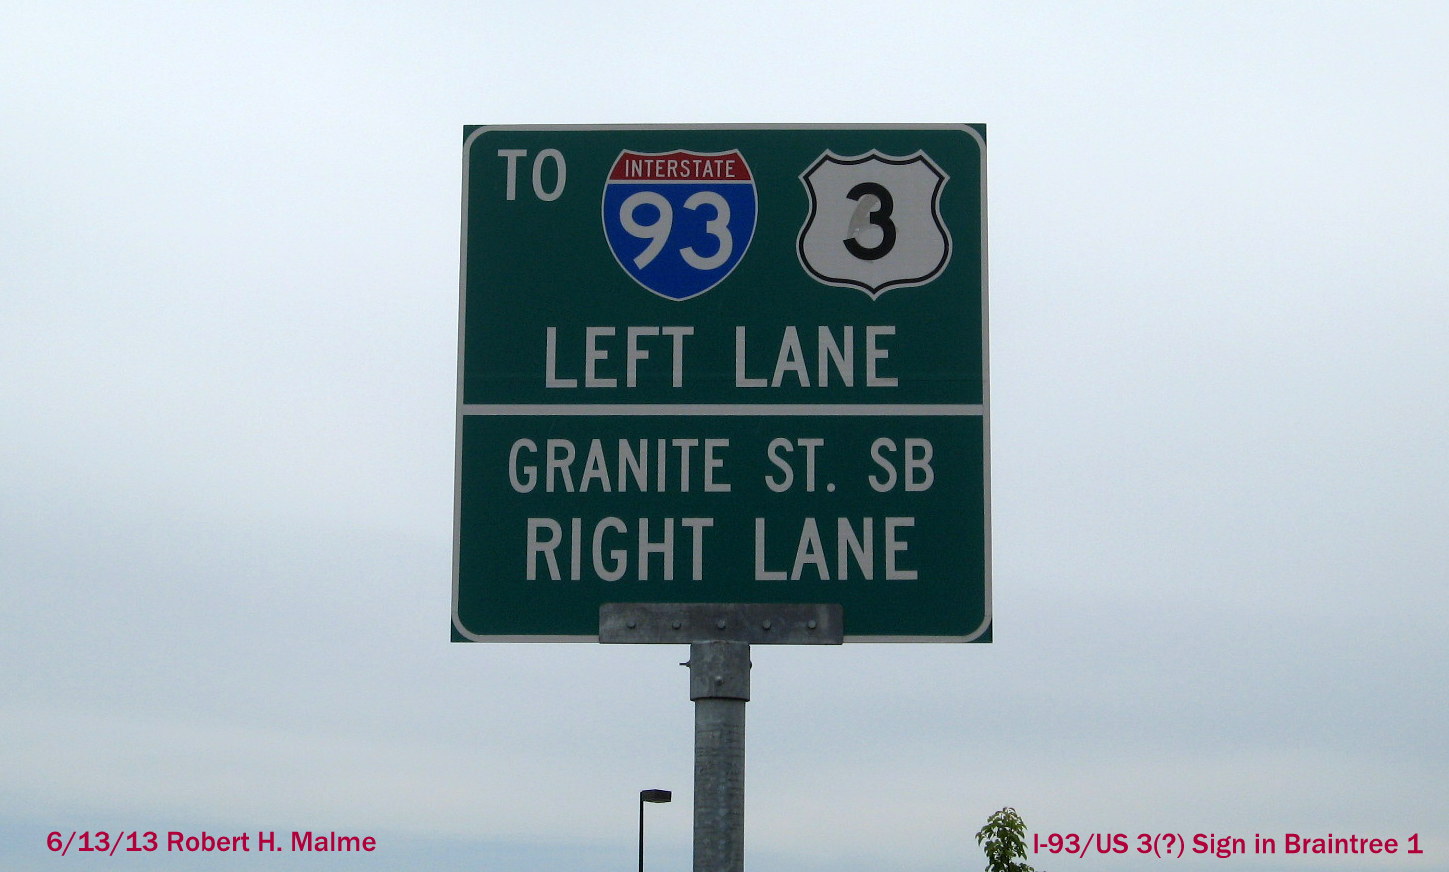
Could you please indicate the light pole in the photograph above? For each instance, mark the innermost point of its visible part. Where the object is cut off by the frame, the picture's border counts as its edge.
(648, 796)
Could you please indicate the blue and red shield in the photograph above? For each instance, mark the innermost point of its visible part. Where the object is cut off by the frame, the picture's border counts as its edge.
(679, 222)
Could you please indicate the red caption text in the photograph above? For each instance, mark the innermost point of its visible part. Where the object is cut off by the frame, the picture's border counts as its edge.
(1175, 845)
(111, 843)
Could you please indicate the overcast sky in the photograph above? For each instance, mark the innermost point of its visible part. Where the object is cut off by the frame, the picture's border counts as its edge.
(1219, 293)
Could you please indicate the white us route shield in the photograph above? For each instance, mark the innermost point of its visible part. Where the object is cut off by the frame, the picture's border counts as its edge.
(874, 221)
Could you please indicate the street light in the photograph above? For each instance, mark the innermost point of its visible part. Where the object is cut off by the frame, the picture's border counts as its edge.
(648, 796)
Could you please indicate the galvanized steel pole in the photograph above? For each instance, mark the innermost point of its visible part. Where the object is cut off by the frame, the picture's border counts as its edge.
(719, 637)
(719, 685)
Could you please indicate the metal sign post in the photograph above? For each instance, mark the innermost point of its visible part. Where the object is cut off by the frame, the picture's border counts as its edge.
(719, 685)
(719, 637)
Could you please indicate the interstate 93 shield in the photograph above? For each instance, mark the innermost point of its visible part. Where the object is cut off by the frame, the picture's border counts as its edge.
(679, 222)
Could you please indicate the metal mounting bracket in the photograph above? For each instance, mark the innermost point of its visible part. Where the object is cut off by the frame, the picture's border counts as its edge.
(753, 623)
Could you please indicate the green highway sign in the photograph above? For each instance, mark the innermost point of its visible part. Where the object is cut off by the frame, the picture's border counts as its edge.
(723, 365)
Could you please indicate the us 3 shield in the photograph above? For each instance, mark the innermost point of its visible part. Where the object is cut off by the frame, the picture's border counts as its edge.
(874, 221)
(679, 222)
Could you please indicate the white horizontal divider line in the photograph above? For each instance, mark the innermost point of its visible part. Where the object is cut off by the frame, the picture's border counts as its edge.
(728, 409)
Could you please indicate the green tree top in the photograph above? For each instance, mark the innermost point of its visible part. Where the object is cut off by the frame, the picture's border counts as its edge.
(1004, 841)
